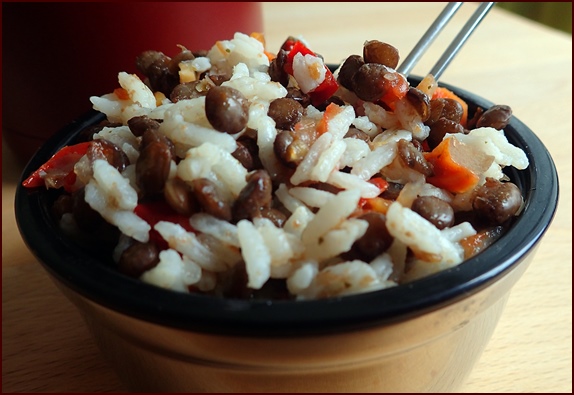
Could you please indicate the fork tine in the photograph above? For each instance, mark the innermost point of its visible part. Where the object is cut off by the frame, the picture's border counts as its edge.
(426, 40)
(460, 39)
(432, 32)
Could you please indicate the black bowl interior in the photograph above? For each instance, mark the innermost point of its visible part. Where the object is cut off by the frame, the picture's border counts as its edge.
(90, 274)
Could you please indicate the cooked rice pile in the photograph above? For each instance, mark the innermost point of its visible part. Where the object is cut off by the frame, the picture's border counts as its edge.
(321, 226)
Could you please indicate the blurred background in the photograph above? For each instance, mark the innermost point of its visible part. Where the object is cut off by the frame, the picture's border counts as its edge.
(44, 25)
(553, 14)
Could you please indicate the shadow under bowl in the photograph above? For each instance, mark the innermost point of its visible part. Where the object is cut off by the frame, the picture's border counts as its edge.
(423, 336)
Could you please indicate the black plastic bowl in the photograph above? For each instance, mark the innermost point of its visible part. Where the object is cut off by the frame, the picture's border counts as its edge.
(420, 337)
(78, 269)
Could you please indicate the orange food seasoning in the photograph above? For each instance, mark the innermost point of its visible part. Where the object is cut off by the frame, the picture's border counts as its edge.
(456, 165)
(122, 94)
(331, 111)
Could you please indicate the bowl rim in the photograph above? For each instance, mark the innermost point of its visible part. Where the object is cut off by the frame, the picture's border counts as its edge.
(82, 273)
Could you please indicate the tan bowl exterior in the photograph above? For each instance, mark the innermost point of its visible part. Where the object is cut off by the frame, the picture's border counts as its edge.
(434, 352)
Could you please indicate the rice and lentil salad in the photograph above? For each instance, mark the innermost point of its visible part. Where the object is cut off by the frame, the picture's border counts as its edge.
(238, 172)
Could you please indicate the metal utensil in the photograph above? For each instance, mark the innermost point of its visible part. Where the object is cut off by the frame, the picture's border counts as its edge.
(437, 26)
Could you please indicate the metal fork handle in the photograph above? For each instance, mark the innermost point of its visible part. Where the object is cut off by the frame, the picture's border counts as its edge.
(427, 39)
(438, 25)
(460, 39)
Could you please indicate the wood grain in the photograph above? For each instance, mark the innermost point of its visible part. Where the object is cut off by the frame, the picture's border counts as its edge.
(46, 346)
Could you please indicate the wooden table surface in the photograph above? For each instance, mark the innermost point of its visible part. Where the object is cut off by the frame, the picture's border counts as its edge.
(509, 60)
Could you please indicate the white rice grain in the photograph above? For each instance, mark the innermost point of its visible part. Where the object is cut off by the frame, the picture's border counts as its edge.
(190, 134)
(207, 282)
(392, 136)
(493, 142)
(412, 190)
(381, 117)
(112, 196)
(328, 161)
(312, 197)
(336, 241)
(255, 254)
(110, 105)
(309, 71)
(345, 278)
(338, 125)
(191, 111)
(355, 150)
(374, 161)
(126, 221)
(188, 244)
(256, 87)
(221, 252)
(422, 236)
(364, 124)
(172, 272)
(287, 199)
(282, 246)
(298, 221)
(266, 134)
(303, 171)
(302, 278)
(352, 182)
(138, 92)
(411, 120)
(383, 266)
(458, 232)
(210, 161)
(218, 228)
(398, 252)
(225, 54)
(123, 137)
(332, 214)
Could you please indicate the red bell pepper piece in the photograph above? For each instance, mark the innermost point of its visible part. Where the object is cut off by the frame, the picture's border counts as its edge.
(395, 90)
(380, 183)
(288, 44)
(297, 47)
(58, 171)
(154, 211)
(325, 90)
(329, 85)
